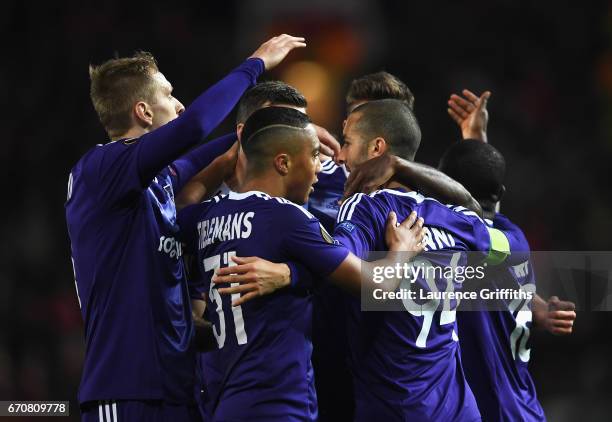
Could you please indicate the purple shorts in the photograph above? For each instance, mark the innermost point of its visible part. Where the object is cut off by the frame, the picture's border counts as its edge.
(137, 411)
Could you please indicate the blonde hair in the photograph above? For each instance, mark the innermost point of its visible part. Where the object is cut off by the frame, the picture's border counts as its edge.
(117, 84)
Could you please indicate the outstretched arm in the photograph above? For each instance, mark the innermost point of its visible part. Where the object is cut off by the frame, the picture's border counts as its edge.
(402, 240)
(405, 238)
(377, 172)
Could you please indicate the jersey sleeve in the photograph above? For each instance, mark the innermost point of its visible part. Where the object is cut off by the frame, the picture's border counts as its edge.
(517, 242)
(127, 167)
(183, 169)
(472, 229)
(188, 235)
(301, 278)
(359, 223)
(309, 244)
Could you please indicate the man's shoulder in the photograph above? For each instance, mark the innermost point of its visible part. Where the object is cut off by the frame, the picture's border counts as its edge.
(280, 208)
(332, 176)
(381, 201)
(96, 155)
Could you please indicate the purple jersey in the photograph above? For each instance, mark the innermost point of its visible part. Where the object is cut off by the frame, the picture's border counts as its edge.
(495, 345)
(262, 369)
(130, 280)
(333, 378)
(406, 365)
(328, 191)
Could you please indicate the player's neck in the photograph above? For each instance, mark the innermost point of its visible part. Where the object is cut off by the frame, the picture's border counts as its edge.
(133, 132)
(266, 183)
(489, 209)
(397, 185)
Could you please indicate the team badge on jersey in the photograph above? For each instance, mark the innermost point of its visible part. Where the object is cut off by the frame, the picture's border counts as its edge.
(347, 225)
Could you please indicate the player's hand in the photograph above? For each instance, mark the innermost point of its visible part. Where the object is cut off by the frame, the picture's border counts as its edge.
(370, 175)
(406, 237)
(228, 160)
(328, 144)
(559, 320)
(255, 277)
(470, 113)
(273, 51)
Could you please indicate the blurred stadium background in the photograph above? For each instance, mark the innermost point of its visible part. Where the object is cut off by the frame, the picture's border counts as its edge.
(548, 64)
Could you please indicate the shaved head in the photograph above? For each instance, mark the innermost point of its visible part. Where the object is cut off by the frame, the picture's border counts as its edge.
(392, 120)
(273, 130)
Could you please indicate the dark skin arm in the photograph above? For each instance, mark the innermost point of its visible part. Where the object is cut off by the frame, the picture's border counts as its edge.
(378, 172)
(471, 115)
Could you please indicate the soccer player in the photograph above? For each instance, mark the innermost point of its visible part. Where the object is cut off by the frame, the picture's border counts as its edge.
(324, 202)
(227, 174)
(329, 334)
(121, 217)
(371, 174)
(495, 344)
(262, 370)
(406, 365)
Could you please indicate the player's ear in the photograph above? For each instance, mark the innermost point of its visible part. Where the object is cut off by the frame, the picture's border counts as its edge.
(239, 128)
(502, 191)
(143, 113)
(379, 147)
(282, 163)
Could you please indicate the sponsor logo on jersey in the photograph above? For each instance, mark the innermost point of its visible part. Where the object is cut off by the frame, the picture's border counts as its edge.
(170, 246)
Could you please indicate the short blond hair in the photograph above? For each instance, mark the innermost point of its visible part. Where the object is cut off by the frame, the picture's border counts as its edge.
(117, 84)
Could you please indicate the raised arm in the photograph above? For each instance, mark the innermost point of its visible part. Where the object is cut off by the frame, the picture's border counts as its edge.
(206, 182)
(470, 113)
(167, 143)
(189, 165)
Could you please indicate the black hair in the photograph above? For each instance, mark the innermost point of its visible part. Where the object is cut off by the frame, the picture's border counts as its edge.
(270, 128)
(479, 167)
(274, 92)
(392, 120)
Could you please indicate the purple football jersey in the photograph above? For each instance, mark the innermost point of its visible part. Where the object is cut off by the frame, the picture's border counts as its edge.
(495, 344)
(130, 280)
(407, 365)
(323, 202)
(262, 369)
